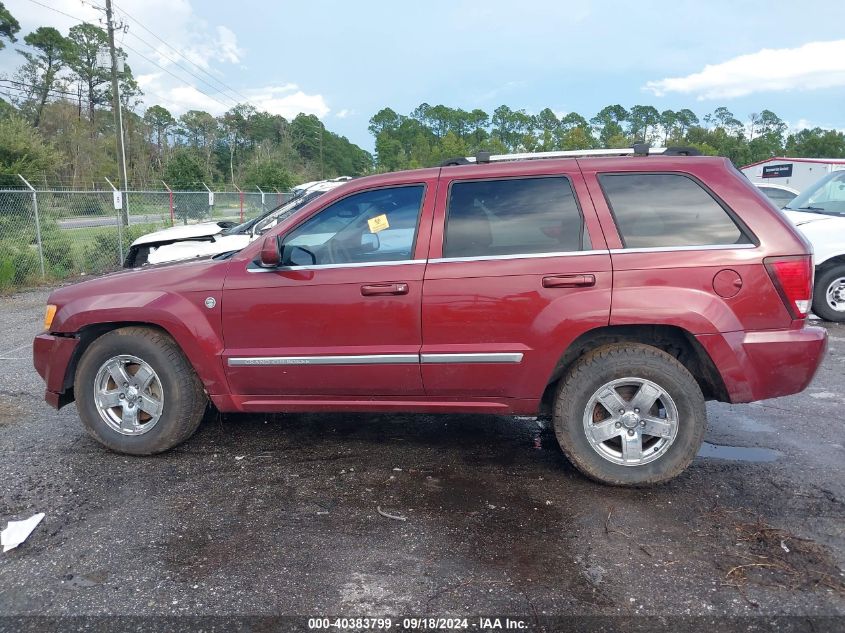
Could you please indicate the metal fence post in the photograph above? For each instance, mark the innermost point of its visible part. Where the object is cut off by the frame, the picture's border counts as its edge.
(172, 214)
(119, 224)
(37, 225)
(210, 202)
(262, 198)
(241, 198)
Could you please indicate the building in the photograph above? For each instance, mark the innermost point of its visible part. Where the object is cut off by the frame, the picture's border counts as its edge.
(797, 173)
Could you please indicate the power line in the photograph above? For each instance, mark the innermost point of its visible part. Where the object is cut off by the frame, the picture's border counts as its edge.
(188, 83)
(187, 70)
(180, 54)
(67, 15)
(183, 80)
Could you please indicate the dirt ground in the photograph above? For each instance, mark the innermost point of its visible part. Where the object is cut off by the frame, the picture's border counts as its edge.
(279, 516)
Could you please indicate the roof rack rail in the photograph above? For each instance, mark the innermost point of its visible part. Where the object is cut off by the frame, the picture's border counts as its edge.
(638, 149)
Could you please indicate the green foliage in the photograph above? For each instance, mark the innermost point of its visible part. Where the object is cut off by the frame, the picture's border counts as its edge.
(9, 26)
(23, 150)
(267, 173)
(102, 255)
(18, 265)
(184, 171)
(433, 133)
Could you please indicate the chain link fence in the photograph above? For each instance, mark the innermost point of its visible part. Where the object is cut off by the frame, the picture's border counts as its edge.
(51, 235)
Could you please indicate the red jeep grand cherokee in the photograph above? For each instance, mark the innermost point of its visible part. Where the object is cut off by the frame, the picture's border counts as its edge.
(618, 293)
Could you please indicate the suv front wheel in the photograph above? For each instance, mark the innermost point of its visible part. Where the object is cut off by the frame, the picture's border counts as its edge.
(136, 392)
(629, 414)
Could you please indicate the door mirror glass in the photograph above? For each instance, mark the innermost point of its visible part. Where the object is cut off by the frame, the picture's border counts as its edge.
(370, 242)
(298, 256)
(270, 256)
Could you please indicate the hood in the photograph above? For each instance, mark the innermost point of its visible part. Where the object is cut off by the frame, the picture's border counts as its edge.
(799, 218)
(183, 232)
(192, 275)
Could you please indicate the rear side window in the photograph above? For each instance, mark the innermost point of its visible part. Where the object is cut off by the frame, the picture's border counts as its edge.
(665, 210)
(512, 217)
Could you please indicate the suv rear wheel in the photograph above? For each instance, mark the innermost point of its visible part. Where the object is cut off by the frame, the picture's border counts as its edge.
(629, 414)
(829, 294)
(137, 393)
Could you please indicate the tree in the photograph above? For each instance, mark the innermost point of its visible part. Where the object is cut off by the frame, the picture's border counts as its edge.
(668, 121)
(9, 26)
(384, 119)
(201, 131)
(609, 122)
(235, 126)
(267, 173)
(43, 65)
(549, 126)
(641, 120)
(160, 121)
(816, 143)
(183, 170)
(85, 42)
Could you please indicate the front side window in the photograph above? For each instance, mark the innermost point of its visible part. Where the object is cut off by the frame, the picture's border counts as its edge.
(667, 210)
(372, 226)
(512, 217)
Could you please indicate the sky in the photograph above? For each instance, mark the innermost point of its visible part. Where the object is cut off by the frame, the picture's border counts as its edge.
(344, 61)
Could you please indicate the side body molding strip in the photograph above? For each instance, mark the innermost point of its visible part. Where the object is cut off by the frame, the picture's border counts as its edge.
(376, 359)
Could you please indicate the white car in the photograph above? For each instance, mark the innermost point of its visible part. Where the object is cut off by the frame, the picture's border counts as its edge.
(212, 238)
(819, 213)
(780, 195)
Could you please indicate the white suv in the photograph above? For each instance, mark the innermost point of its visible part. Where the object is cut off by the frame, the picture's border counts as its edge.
(819, 213)
(212, 238)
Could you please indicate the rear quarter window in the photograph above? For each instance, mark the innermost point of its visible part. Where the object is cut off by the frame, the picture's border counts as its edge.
(667, 210)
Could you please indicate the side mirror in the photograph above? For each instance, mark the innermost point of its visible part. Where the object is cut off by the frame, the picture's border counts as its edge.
(370, 242)
(271, 256)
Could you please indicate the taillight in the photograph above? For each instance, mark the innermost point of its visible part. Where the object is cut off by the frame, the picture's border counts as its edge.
(793, 277)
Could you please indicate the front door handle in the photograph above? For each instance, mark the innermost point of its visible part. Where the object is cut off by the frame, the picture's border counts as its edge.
(569, 281)
(374, 290)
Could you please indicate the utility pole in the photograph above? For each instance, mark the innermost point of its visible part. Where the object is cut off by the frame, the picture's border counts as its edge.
(118, 112)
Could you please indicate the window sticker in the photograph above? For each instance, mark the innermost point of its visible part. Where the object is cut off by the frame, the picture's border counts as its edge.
(378, 223)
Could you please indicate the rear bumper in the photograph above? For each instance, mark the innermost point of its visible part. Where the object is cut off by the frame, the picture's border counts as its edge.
(51, 356)
(766, 364)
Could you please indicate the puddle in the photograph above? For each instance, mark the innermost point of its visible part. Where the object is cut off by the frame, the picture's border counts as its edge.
(739, 453)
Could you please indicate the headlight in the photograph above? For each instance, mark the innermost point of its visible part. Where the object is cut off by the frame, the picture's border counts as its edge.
(48, 316)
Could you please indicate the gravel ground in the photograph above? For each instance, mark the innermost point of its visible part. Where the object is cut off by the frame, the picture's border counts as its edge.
(278, 515)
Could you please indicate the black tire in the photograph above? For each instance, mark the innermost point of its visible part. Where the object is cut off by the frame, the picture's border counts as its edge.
(629, 360)
(184, 397)
(820, 306)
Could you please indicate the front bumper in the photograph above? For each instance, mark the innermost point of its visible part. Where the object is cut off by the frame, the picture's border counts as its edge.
(51, 356)
(766, 364)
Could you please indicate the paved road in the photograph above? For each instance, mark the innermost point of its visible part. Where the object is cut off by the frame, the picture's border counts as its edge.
(264, 515)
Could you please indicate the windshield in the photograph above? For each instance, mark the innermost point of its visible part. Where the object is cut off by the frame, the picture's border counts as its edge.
(826, 196)
(272, 217)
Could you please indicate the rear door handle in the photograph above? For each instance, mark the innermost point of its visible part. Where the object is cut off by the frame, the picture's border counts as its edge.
(569, 281)
(374, 290)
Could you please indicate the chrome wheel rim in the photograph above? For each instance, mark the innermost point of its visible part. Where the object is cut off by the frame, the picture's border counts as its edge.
(128, 395)
(836, 294)
(631, 421)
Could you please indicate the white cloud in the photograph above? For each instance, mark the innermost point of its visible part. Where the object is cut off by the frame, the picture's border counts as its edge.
(344, 114)
(290, 104)
(808, 67)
